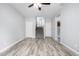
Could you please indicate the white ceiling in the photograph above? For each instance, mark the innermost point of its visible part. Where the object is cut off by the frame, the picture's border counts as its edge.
(47, 11)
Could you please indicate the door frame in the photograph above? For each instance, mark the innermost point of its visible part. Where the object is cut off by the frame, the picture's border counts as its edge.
(43, 27)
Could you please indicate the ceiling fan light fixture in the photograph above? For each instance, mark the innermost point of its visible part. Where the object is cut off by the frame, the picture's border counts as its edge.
(37, 5)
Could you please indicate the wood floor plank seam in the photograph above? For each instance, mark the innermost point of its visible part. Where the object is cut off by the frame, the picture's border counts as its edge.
(38, 47)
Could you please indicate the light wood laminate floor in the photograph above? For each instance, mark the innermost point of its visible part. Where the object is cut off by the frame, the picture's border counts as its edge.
(38, 47)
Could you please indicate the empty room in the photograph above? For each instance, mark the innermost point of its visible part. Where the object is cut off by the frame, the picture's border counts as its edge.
(39, 29)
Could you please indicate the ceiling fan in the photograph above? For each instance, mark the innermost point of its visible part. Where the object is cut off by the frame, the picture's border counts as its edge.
(38, 5)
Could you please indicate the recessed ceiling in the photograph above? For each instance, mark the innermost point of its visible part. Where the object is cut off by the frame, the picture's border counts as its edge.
(46, 11)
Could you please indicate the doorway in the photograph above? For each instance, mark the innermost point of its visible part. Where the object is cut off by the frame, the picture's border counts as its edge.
(39, 29)
(58, 30)
(39, 32)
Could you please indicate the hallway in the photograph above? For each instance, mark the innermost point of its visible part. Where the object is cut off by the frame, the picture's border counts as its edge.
(36, 47)
(39, 33)
(28, 31)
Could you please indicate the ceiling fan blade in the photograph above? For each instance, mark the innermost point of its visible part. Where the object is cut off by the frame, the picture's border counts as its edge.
(45, 3)
(31, 5)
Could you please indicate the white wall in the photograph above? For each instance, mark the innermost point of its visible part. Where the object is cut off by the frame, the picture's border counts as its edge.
(54, 26)
(30, 27)
(70, 26)
(12, 26)
(48, 27)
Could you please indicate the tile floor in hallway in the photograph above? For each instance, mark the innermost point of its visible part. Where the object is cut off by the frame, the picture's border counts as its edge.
(38, 47)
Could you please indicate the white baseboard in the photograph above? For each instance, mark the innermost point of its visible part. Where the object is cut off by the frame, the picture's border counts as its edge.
(72, 50)
(5, 49)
